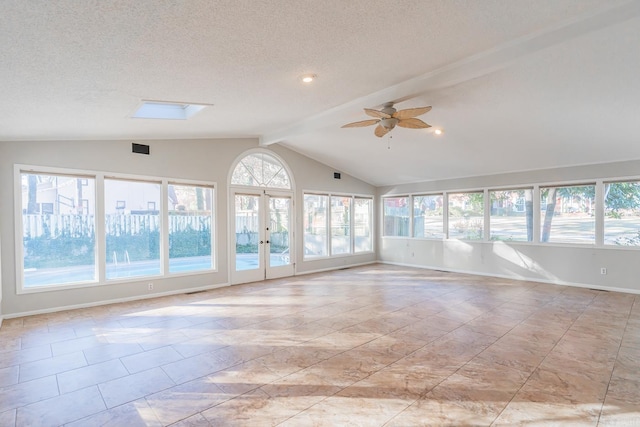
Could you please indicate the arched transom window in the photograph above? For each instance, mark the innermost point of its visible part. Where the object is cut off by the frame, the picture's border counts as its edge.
(261, 170)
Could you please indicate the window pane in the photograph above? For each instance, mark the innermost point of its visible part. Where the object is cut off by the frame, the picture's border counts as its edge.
(567, 214)
(132, 230)
(261, 170)
(340, 225)
(247, 232)
(280, 224)
(190, 219)
(511, 217)
(622, 213)
(58, 229)
(315, 225)
(396, 216)
(466, 216)
(363, 209)
(428, 220)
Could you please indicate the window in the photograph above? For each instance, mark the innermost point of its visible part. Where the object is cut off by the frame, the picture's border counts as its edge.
(568, 214)
(428, 220)
(56, 219)
(340, 225)
(315, 225)
(396, 216)
(190, 220)
(510, 219)
(350, 218)
(363, 209)
(58, 239)
(466, 215)
(132, 236)
(622, 213)
(261, 170)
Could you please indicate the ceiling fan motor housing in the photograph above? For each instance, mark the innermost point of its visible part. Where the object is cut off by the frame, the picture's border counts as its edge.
(389, 123)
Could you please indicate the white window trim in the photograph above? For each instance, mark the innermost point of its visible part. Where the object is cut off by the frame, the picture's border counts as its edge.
(100, 249)
(352, 196)
(537, 217)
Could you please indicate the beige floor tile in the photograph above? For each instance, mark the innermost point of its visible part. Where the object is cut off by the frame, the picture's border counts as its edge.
(61, 409)
(8, 418)
(28, 392)
(150, 359)
(52, 365)
(12, 358)
(349, 411)
(59, 348)
(107, 352)
(133, 414)
(618, 413)
(197, 420)
(8, 376)
(183, 401)
(11, 344)
(90, 375)
(363, 346)
(541, 414)
(132, 387)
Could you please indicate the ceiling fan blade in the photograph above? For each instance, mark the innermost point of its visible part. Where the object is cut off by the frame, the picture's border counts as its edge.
(413, 123)
(361, 123)
(381, 131)
(375, 113)
(411, 112)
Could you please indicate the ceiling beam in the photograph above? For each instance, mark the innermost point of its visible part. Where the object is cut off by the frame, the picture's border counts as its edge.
(467, 69)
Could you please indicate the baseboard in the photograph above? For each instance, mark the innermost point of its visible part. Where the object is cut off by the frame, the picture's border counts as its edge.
(112, 301)
(323, 270)
(521, 279)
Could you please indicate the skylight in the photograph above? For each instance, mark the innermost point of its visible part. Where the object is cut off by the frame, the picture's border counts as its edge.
(167, 110)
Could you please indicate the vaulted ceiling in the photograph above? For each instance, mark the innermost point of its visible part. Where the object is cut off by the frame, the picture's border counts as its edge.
(515, 84)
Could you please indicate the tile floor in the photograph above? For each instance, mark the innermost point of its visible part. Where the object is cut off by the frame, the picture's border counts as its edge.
(372, 346)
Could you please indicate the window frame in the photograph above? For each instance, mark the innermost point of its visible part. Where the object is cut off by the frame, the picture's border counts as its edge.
(444, 213)
(534, 230)
(597, 229)
(371, 223)
(601, 209)
(483, 232)
(100, 235)
(214, 228)
(329, 195)
(409, 216)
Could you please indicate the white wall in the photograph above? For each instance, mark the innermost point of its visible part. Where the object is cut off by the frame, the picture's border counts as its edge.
(204, 160)
(577, 265)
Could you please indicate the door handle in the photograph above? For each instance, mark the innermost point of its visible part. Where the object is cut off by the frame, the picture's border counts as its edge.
(261, 242)
(267, 241)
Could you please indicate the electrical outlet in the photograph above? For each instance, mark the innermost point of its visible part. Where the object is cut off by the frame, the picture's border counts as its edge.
(603, 270)
(150, 286)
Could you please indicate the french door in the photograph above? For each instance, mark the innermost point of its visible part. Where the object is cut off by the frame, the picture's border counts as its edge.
(261, 235)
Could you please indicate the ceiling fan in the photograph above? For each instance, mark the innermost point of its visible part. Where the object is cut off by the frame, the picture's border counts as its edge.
(389, 117)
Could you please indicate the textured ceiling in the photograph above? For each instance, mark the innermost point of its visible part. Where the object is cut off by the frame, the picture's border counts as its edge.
(516, 84)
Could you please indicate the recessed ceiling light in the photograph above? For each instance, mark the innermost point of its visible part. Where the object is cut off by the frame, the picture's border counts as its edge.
(167, 110)
(438, 131)
(308, 78)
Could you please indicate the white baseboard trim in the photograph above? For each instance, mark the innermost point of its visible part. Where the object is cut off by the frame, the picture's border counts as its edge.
(113, 301)
(322, 270)
(522, 279)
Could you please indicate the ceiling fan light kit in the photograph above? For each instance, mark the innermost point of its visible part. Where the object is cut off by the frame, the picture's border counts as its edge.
(388, 118)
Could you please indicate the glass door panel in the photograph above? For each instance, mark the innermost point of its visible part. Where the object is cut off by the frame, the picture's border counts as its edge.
(247, 229)
(262, 237)
(279, 225)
